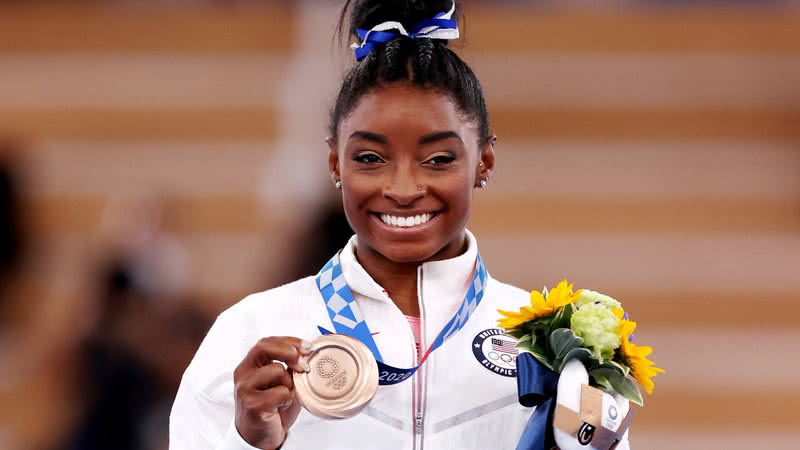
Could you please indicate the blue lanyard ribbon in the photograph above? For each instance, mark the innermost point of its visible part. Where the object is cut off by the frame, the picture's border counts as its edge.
(347, 319)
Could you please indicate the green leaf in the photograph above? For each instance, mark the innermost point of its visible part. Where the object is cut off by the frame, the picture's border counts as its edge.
(599, 379)
(541, 347)
(547, 362)
(541, 323)
(517, 333)
(582, 354)
(601, 376)
(562, 341)
(524, 338)
(613, 379)
(624, 370)
(610, 365)
(525, 342)
(628, 389)
(561, 319)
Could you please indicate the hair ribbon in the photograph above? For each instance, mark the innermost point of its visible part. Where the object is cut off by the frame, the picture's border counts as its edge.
(441, 26)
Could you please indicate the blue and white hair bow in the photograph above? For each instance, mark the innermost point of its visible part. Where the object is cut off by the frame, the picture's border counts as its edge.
(441, 26)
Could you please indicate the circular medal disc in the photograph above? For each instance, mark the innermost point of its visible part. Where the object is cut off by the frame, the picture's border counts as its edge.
(343, 377)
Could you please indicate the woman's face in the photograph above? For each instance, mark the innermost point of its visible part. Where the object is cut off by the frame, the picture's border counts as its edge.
(409, 162)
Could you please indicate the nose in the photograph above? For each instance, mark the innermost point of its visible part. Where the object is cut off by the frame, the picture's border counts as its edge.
(403, 188)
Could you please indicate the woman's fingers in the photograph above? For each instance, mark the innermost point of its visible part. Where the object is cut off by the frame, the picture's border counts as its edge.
(265, 404)
(270, 376)
(288, 350)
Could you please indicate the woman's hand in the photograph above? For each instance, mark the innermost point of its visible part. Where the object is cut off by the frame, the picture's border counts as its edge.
(264, 392)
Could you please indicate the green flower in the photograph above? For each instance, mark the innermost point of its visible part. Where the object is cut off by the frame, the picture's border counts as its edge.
(588, 297)
(598, 327)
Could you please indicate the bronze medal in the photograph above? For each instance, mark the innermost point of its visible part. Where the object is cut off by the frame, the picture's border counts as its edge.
(343, 377)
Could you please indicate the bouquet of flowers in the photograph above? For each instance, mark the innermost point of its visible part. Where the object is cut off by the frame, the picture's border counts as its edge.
(561, 325)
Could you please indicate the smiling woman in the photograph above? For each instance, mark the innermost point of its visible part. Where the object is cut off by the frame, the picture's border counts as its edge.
(409, 143)
(406, 153)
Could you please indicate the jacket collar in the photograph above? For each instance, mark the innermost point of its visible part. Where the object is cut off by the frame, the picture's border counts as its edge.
(443, 283)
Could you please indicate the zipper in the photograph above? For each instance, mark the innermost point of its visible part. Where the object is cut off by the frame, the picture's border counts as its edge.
(419, 386)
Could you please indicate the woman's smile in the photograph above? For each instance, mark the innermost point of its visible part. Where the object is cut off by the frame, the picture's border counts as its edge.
(404, 225)
(406, 221)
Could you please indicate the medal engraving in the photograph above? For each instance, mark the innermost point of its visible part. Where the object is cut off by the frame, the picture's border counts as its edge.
(327, 367)
(343, 377)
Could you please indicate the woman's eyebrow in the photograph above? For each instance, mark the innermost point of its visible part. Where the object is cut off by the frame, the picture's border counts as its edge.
(438, 136)
(370, 136)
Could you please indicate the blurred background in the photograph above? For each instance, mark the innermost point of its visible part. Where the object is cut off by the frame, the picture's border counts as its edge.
(159, 160)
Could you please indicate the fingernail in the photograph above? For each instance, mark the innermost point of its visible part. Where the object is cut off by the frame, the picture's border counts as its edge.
(301, 361)
(306, 346)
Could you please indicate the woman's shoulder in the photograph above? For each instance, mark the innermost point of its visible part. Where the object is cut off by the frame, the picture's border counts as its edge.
(275, 312)
(287, 310)
(506, 296)
(286, 297)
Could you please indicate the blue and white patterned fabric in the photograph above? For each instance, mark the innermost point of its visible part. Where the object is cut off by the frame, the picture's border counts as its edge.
(348, 320)
(441, 26)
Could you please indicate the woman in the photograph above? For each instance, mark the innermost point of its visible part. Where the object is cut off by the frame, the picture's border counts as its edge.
(409, 143)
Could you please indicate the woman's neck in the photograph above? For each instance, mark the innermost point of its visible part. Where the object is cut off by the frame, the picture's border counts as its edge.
(399, 280)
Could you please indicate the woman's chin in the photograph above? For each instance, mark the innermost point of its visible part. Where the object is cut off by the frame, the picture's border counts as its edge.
(407, 253)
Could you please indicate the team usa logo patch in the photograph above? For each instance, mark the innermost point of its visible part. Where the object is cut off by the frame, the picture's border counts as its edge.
(496, 351)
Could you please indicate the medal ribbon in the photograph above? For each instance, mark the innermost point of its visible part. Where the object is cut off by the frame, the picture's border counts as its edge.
(347, 319)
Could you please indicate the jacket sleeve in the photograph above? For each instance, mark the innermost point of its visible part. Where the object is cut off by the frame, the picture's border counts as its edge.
(198, 422)
(203, 411)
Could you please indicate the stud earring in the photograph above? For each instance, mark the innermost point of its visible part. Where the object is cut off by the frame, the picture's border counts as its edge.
(338, 184)
(484, 183)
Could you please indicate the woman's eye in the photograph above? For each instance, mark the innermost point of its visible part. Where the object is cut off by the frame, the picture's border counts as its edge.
(368, 158)
(440, 160)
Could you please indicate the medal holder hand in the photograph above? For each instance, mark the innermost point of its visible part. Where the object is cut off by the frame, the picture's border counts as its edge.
(587, 417)
(264, 391)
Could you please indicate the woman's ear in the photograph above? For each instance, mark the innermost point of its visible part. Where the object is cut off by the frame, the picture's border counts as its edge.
(333, 159)
(486, 161)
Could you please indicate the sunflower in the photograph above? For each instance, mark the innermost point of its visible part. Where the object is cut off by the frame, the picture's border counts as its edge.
(514, 319)
(635, 357)
(541, 305)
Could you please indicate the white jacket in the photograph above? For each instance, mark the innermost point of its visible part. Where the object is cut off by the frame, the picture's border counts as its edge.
(463, 397)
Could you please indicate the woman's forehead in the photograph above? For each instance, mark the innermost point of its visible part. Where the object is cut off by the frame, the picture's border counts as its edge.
(405, 110)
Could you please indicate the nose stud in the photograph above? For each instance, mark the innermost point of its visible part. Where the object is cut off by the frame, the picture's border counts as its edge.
(420, 187)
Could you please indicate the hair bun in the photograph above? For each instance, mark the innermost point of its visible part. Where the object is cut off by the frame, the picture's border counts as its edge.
(365, 14)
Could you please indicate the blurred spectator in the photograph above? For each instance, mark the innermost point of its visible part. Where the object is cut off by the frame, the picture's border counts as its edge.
(326, 234)
(143, 336)
(11, 252)
(11, 236)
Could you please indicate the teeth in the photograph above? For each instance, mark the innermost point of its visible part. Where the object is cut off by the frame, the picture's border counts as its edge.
(406, 222)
